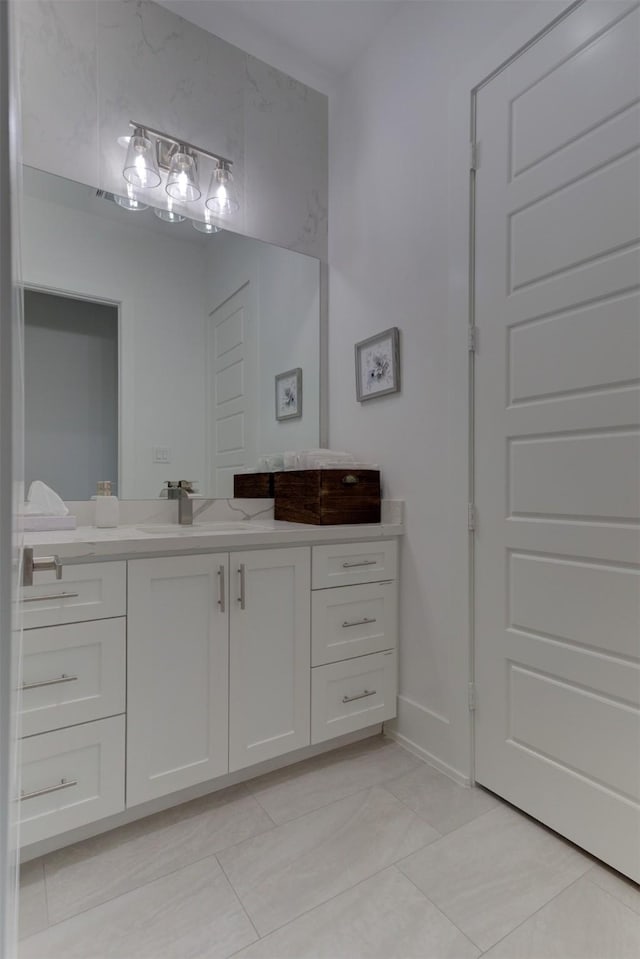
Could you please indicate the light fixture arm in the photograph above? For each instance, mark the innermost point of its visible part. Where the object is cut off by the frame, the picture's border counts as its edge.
(180, 144)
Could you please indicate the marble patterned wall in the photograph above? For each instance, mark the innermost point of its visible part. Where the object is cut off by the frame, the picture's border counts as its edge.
(90, 66)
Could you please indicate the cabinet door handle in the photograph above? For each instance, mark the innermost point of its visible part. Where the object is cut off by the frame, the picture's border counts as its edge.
(63, 784)
(42, 599)
(358, 622)
(351, 699)
(365, 562)
(49, 682)
(221, 587)
(241, 597)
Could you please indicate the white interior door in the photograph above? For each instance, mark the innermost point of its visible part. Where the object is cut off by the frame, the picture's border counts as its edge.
(232, 390)
(558, 439)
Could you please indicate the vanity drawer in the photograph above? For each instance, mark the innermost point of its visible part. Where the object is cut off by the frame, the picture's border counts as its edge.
(352, 695)
(87, 591)
(347, 564)
(72, 674)
(352, 621)
(71, 777)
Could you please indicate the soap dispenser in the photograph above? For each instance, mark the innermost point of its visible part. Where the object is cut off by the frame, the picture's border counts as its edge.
(107, 507)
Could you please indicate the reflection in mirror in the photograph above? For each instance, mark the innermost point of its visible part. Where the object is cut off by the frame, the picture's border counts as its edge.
(152, 349)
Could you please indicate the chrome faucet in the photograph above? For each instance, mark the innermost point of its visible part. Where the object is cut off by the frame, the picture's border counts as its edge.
(182, 490)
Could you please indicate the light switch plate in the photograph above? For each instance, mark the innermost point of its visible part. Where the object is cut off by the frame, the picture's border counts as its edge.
(161, 454)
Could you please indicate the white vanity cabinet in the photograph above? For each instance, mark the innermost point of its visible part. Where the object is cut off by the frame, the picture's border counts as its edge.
(177, 673)
(72, 699)
(169, 672)
(354, 637)
(269, 696)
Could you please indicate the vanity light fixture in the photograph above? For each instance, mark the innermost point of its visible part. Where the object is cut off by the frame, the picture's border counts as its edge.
(206, 226)
(130, 202)
(222, 198)
(141, 165)
(182, 182)
(149, 151)
(169, 216)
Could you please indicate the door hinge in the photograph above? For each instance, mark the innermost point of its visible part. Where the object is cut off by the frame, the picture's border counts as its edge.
(472, 339)
(472, 697)
(471, 517)
(474, 155)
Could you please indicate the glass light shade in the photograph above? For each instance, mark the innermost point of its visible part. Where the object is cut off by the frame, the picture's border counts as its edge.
(141, 167)
(206, 227)
(169, 216)
(182, 182)
(130, 203)
(222, 198)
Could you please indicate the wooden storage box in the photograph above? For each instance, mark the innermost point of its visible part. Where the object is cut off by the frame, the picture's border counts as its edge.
(327, 497)
(253, 486)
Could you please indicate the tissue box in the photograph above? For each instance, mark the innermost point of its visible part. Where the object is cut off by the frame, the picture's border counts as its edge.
(327, 497)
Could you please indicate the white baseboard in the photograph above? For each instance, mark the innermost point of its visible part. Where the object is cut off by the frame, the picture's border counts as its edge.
(427, 735)
(427, 757)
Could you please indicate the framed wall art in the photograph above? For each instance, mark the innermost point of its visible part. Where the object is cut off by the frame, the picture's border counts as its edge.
(378, 365)
(289, 394)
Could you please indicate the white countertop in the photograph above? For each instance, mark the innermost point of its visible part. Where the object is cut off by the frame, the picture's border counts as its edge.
(87, 543)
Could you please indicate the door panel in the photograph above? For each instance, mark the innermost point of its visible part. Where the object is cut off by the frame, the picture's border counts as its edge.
(177, 669)
(558, 432)
(270, 654)
(232, 392)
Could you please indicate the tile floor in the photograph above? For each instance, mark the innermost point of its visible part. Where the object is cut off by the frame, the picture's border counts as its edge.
(363, 853)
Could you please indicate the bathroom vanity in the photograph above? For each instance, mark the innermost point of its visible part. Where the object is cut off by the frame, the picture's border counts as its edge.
(168, 660)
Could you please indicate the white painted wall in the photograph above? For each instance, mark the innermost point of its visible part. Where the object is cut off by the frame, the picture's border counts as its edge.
(389, 128)
(159, 283)
(286, 295)
(87, 68)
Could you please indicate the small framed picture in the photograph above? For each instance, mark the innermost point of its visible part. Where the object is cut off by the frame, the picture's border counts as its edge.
(289, 394)
(378, 365)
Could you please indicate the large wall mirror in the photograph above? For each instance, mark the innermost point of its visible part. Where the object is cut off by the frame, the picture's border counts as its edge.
(151, 350)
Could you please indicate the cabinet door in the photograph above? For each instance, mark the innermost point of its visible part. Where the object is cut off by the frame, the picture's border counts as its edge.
(269, 654)
(177, 658)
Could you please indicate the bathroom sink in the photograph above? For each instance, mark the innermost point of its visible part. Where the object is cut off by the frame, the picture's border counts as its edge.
(164, 529)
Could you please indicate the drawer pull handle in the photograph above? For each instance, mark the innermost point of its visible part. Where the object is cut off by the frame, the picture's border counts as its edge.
(63, 784)
(42, 599)
(358, 622)
(350, 480)
(241, 597)
(50, 682)
(364, 562)
(351, 699)
(221, 587)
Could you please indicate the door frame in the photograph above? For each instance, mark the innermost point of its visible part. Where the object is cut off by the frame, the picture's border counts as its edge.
(461, 392)
(10, 472)
(125, 442)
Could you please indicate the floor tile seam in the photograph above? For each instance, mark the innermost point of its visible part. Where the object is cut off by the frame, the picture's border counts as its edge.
(468, 935)
(309, 812)
(441, 911)
(240, 903)
(46, 892)
(533, 914)
(422, 816)
(284, 782)
(165, 875)
(389, 864)
(608, 892)
(264, 810)
(324, 902)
